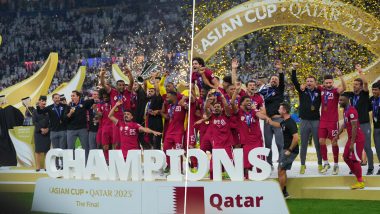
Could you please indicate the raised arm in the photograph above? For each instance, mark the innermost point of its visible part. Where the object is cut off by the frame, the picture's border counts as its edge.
(234, 95)
(234, 66)
(341, 88)
(112, 112)
(128, 73)
(358, 67)
(227, 108)
(103, 80)
(163, 112)
(278, 66)
(294, 79)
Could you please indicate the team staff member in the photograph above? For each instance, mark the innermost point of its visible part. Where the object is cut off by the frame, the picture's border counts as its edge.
(93, 123)
(309, 104)
(355, 143)
(57, 125)
(290, 150)
(273, 97)
(359, 99)
(375, 107)
(77, 121)
(41, 133)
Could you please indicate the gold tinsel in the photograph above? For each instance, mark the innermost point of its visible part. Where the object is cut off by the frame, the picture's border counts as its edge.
(274, 43)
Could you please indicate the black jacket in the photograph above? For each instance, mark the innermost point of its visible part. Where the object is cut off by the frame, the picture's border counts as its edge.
(305, 103)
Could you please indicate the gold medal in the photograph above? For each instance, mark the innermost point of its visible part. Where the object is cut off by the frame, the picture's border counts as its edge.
(116, 109)
(312, 108)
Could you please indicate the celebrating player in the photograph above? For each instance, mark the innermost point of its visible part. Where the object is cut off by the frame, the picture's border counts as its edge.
(128, 129)
(328, 126)
(355, 144)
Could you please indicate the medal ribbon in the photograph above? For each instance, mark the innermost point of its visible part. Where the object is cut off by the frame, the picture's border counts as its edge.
(355, 100)
(375, 107)
(171, 110)
(248, 118)
(58, 112)
(268, 93)
(326, 97)
(312, 95)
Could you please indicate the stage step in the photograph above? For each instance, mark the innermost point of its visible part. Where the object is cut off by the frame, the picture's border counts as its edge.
(13, 179)
(333, 187)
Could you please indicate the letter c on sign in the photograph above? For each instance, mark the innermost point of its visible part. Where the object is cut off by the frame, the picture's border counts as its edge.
(218, 203)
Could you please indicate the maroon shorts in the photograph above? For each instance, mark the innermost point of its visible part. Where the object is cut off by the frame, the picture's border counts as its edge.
(125, 150)
(172, 142)
(328, 130)
(107, 135)
(355, 155)
(246, 149)
(115, 135)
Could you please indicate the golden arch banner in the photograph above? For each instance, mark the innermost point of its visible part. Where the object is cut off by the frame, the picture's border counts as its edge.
(251, 16)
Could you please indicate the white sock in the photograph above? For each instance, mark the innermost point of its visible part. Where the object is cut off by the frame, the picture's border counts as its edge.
(335, 164)
(326, 162)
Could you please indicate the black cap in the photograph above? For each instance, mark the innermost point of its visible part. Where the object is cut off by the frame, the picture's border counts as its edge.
(25, 98)
(43, 97)
(1, 96)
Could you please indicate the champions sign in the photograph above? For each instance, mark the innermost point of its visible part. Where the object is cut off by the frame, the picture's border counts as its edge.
(154, 161)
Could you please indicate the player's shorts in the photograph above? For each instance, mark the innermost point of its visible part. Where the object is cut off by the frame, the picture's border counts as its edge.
(173, 142)
(107, 135)
(286, 161)
(115, 135)
(99, 136)
(246, 149)
(356, 155)
(328, 130)
(125, 151)
(236, 137)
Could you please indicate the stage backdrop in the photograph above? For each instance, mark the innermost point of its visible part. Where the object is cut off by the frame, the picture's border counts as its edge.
(252, 16)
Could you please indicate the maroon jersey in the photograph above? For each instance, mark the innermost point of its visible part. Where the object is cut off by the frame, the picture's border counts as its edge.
(125, 96)
(198, 78)
(176, 121)
(249, 128)
(129, 132)
(105, 109)
(257, 99)
(330, 101)
(350, 114)
(220, 131)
